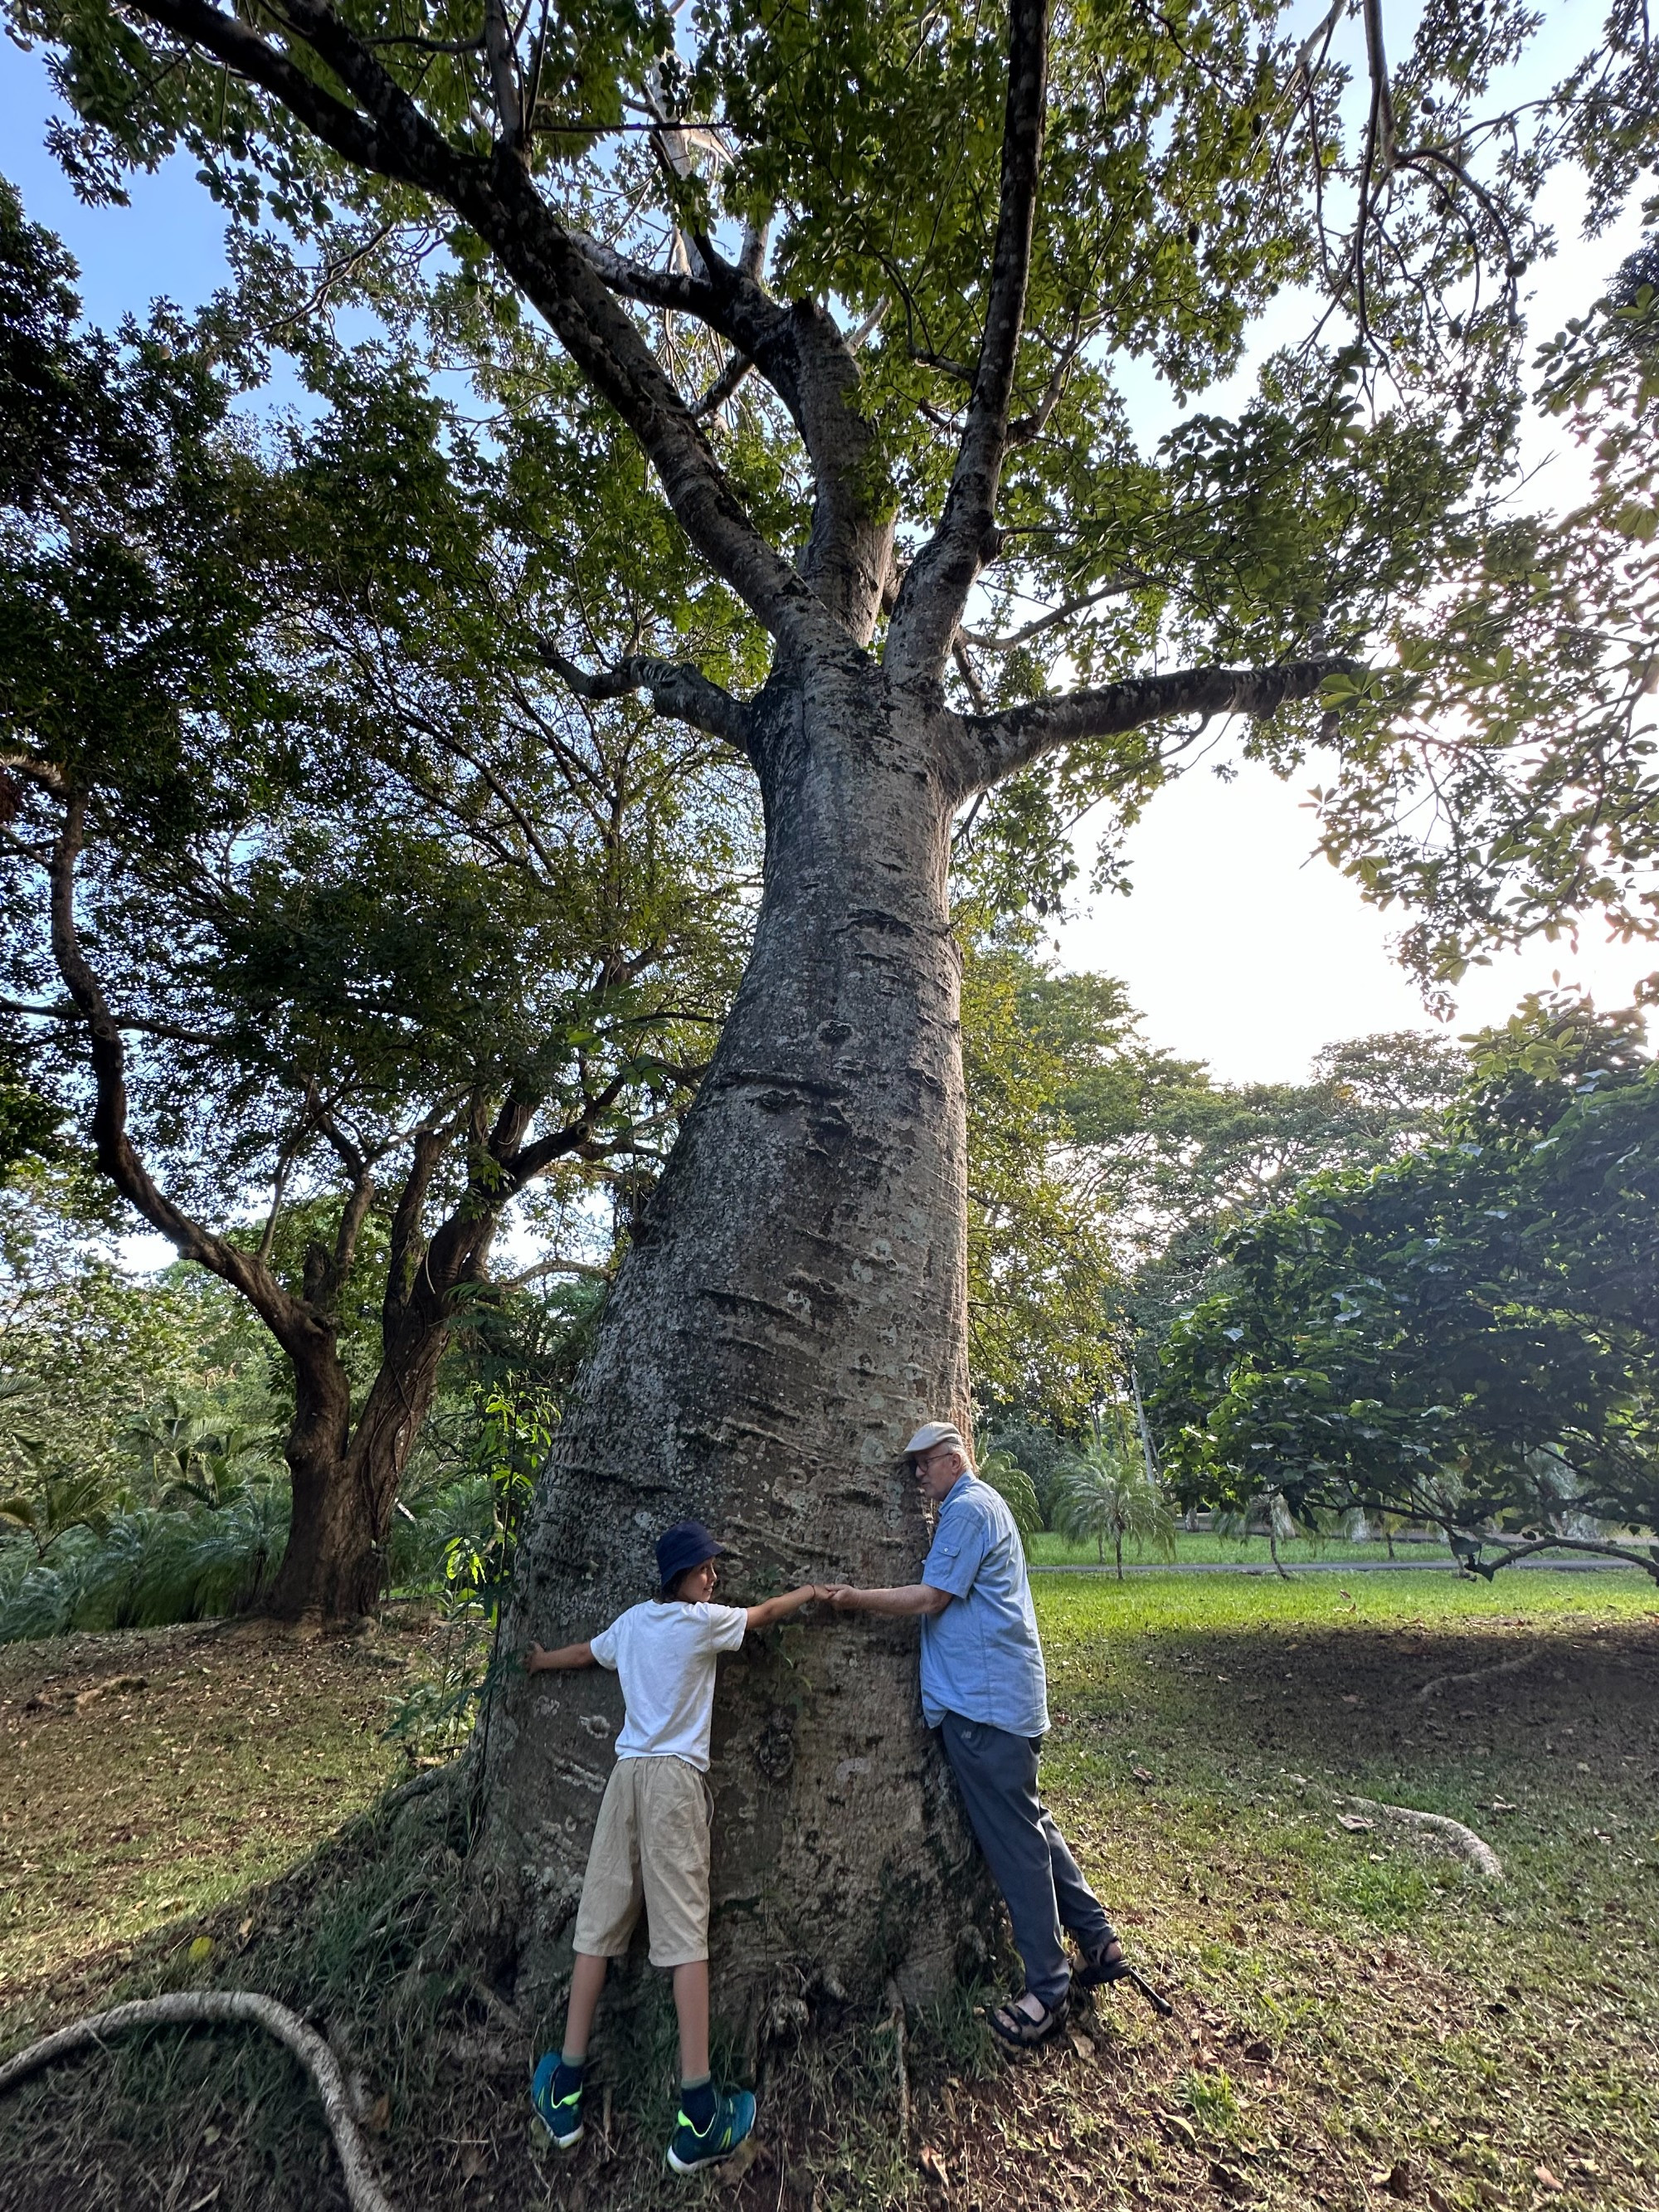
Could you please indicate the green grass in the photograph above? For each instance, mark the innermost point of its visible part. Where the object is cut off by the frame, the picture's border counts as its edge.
(1401, 2009)
(1355, 2007)
(1048, 1550)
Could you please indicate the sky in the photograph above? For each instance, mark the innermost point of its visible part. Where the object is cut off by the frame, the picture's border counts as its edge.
(1239, 948)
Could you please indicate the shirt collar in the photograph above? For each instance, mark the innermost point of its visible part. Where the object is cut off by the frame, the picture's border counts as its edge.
(967, 1475)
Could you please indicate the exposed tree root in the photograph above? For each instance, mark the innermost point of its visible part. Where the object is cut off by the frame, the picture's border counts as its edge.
(1479, 1674)
(901, 2059)
(192, 2007)
(1464, 1841)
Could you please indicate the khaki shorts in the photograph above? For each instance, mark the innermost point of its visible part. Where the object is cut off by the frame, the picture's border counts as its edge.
(651, 1847)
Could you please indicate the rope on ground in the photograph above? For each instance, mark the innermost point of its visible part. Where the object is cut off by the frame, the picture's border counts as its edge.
(1479, 1674)
(1464, 1841)
(192, 2008)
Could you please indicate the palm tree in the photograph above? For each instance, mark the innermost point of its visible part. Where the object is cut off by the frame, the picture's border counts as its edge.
(1017, 1491)
(1107, 1493)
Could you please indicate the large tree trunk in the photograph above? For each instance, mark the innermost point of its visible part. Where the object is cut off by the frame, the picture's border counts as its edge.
(345, 1481)
(794, 1301)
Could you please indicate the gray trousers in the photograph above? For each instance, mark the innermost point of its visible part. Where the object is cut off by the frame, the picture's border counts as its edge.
(1029, 1858)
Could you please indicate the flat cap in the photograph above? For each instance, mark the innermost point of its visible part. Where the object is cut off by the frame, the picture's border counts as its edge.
(936, 1432)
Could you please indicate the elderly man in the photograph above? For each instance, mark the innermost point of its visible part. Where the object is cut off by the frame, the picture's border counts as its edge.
(984, 1689)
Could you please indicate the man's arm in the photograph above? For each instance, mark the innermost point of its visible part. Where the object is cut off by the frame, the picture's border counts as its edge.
(907, 1598)
(537, 1662)
(780, 1608)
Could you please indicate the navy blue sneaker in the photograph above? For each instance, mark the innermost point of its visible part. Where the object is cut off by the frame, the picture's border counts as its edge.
(691, 2149)
(558, 2105)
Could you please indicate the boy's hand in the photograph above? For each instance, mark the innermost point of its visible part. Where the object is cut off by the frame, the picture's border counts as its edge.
(843, 1597)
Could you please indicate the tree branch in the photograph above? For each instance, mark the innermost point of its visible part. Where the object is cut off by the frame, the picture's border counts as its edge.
(299, 1332)
(675, 687)
(1647, 1561)
(724, 387)
(556, 273)
(996, 745)
(397, 142)
(1125, 580)
(942, 574)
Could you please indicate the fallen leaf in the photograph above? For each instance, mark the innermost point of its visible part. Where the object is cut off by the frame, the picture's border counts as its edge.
(746, 2155)
(1140, 1774)
(201, 1950)
(1177, 2129)
(934, 2166)
(378, 2118)
(475, 2159)
(1354, 1824)
(1547, 2181)
(1230, 2183)
(245, 1928)
(1503, 1805)
(1352, 1699)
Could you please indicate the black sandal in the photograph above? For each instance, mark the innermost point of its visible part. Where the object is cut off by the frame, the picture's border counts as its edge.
(1019, 2029)
(1098, 1972)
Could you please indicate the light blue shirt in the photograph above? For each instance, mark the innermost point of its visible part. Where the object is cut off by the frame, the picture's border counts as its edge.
(980, 1657)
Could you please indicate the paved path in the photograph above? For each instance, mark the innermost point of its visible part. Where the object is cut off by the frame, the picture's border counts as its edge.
(1324, 1567)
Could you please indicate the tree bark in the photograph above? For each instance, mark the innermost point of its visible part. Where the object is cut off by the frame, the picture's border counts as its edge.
(795, 1303)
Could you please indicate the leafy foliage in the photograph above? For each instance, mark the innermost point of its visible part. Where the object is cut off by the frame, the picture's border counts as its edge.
(1467, 1335)
(1107, 1493)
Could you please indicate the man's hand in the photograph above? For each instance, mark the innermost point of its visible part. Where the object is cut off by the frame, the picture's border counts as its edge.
(909, 1598)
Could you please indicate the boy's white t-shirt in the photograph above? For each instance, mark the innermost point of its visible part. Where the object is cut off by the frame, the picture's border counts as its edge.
(664, 1654)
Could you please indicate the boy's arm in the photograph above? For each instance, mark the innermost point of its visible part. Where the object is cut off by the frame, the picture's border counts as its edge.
(907, 1598)
(780, 1608)
(537, 1662)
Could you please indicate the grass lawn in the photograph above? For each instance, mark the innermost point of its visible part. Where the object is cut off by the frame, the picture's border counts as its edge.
(1362, 2018)
(147, 1777)
(1048, 1550)
(1368, 2019)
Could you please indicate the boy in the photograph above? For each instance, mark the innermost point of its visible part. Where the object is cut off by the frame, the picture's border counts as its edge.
(651, 1842)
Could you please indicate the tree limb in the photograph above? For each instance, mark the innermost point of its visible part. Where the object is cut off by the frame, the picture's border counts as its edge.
(299, 1331)
(1647, 1561)
(675, 687)
(942, 574)
(997, 745)
(556, 273)
(1125, 580)
(724, 387)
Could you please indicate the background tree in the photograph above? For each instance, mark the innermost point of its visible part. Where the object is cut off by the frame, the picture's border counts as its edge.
(868, 343)
(1106, 1494)
(362, 940)
(1468, 1337)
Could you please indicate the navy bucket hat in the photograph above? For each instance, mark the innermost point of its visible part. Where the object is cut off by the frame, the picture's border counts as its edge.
(687, 1544)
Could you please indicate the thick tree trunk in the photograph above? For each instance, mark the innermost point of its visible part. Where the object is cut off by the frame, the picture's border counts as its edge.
(795, 1301)
(345, 1482)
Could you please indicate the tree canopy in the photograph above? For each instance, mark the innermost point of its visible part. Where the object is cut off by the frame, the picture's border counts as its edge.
(1467, 1335)
(768, 246)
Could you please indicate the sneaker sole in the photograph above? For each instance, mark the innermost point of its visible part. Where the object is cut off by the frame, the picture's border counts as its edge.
(702, 2165)
(561, 2142)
